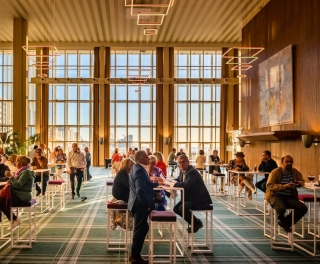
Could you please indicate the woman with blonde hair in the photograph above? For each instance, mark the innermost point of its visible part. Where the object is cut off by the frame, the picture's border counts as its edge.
(21, 192)
(160, 163)
(11, 162)
(120, 193)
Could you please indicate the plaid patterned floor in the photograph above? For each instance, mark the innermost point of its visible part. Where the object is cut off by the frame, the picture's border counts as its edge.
(78, 235)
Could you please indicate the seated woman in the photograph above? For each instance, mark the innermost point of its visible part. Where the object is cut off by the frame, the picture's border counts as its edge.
(120, 193)
(156, 174)
(160, 163)
(61, 158)
(200, 161)
(239, 164)
(21, 192)
(11, 162)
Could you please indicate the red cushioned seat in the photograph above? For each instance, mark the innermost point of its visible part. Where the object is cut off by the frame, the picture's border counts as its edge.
(307, 198)
(163, 216)
(117, 206)
(109, 183)
(218, 174)
(56, 182)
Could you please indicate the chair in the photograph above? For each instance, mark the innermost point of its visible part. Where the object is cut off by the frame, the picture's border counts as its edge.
(57, 187)
(4, 236)
(108, 183)
(208, 232)
(220, 177)
(163, 217)
(307, 199)
(122, 245)
(31, 230)
(281, 245)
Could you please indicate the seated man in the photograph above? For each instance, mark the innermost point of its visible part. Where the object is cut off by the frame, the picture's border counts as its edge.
(196, 195)
(282, 192)
(40, 162)
(3, 169)
(267, 165)
(214, 158)
(172, 160)
(180, 153)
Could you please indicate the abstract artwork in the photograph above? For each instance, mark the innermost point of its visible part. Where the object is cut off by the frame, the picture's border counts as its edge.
(276, 89)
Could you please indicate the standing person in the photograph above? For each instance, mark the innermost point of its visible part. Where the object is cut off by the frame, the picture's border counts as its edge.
(267, 165)
(115, 160)
(282, 193)
(140, 204)
(172, 160)
(76, 163)
(40, 162)
(3, 156)
(196, 195)
(88, 160)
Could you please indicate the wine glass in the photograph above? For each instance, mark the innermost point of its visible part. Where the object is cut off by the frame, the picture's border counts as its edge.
(311, 179)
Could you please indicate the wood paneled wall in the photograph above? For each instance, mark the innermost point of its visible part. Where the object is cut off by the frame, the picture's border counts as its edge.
(279, 24)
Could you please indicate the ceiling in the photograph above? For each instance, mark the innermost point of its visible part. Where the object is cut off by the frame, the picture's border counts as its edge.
(188, 21)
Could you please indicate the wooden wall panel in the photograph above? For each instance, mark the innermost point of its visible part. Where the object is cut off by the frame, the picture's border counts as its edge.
(279, 24)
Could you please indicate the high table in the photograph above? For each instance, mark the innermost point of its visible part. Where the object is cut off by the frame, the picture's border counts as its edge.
(47, 204)
(182, 240)
(314, 240)
(234, 198)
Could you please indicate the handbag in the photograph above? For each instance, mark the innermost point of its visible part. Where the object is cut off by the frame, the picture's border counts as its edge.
(6, 191)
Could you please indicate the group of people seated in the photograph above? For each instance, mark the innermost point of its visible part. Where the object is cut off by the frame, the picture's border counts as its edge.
(134, 184)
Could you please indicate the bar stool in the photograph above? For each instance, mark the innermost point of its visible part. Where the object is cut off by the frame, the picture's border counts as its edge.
(57, 187)
(163, 217)
(4, 236)
(307, 199)
(117, 207)
(108, 183)
(208, 232)
(266, 211)
(220, 177)
(32, 233)
(281, 245)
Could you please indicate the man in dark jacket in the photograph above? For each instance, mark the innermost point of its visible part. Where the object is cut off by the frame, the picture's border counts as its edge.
(196, 195)
(140, 204)
(3, 169)
(267, 165)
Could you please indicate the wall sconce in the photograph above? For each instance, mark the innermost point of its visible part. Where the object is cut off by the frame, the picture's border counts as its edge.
(307, 140)
(166, 140)
(243, 143)
(101, 141)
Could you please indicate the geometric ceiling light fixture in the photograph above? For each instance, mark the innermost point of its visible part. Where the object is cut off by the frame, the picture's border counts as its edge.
(241, 60)
(247, 52)
(150, 31)
(138, 76)
(149, 6)
(150, 19)
(241, 67)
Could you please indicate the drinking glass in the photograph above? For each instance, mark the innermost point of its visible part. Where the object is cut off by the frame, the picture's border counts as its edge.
(311, 179)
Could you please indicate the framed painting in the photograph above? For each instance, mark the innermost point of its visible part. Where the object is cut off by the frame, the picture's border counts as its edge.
(276, 89)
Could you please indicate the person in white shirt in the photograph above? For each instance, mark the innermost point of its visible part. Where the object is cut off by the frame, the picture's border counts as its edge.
(76, 162)
(32, 153)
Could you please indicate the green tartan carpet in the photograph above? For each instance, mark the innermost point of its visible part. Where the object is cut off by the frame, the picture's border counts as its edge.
(78, 235)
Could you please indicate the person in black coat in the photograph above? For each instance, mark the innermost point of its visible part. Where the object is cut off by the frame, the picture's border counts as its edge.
(196, 195)
(3, 169)
(267, 165)
(120, 188)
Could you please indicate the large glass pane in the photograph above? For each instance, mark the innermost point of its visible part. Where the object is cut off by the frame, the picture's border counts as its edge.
(72, 59)
(133, 134)
(112, 114)
(133, 95)
(59, 92)
(121, 59)
(121, 92)
(182, 114)
(84, 114)
(182, 134)
(182, 92)
(133, 59)
(84, 134)
(84, 59)
(146, 92)
(72, 134)
(121, 114)
(133, 114)
(72, 114)
(58, 133)
(145, 134)
(72, 92)
(121, 134)
(145, 114)
(195, 92)
(84, 92)
(195, 115)
(59, 113)
(207, 134)
(207, 114)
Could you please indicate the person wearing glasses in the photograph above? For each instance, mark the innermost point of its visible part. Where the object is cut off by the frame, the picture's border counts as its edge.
(40, 162)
